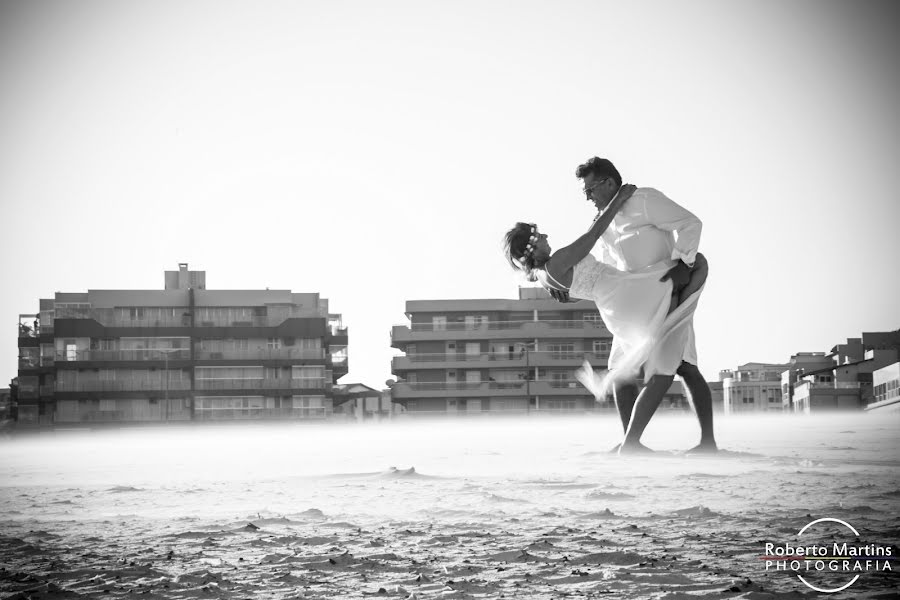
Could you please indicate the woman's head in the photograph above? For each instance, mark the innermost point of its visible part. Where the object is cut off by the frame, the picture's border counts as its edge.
(526, 249)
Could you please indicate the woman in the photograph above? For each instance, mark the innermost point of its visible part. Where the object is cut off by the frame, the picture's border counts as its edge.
(645, 314)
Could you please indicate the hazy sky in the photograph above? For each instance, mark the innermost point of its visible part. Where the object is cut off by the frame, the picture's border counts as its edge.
(376, 152)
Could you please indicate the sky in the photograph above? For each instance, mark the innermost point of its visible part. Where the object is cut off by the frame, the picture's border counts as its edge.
(376, 152)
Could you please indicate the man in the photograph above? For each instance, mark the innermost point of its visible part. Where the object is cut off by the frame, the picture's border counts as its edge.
(648, 229)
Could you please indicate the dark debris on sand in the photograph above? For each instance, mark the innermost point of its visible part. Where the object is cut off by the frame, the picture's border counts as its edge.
(674, 556)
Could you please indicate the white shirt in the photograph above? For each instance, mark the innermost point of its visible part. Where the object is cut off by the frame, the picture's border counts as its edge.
(649, 229)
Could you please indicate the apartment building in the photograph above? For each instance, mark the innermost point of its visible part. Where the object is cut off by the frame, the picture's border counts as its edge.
(847, 382)
(752, 388)
(499, 356)
(886, 388)
(799, 365)
(183, 353)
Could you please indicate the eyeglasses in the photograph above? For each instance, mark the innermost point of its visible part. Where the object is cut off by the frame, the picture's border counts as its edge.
(590, 190)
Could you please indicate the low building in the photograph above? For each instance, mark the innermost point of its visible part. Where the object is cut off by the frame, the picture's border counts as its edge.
(182, 353)
(356, 401)
(800, 364)
(845, 386)
(5, 403)
(718, 396)
(752, 388)
(886, 388)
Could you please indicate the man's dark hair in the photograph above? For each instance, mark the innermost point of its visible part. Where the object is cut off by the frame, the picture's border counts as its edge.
(599, 167)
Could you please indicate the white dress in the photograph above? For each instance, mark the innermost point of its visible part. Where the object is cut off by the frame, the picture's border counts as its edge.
(634, 307)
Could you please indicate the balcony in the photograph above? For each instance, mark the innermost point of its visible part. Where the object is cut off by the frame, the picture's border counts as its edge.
(121, 386)
(26, 331)
(497, 330)
(110, 317)
(272, 320)
(143, 354)
(492, 389)
(458, 389)
(29, 362)
(262, 354)
(283, 383)
(541, 358)
(222, 414)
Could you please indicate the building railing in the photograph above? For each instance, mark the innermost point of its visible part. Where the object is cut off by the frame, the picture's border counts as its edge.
(494, 325)
(158, 354)
(828, 385)
(262, 384)
(26, 331)
(112, 317)
(121, 386)
(425, 386)
(505, 356)
(261, 354)
(210, 414)
(29, 362)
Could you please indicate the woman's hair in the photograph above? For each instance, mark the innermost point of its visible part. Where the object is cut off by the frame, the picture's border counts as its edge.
(599, 167)
(514, 250)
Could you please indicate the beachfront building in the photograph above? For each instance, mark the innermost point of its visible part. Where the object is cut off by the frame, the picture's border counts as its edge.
(718, 396)
(752, 388)
(841, 379)
(500, 356)
(886, 388)
(800, 364)
(845, 386)
(179, 354)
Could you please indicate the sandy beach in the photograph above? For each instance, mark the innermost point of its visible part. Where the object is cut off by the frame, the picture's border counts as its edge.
(484, 508)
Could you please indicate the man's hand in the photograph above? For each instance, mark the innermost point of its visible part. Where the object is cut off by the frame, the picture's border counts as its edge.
(559, 295)
(680, 274)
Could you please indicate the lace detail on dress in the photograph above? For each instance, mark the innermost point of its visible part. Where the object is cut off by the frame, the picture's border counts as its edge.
(585, 276)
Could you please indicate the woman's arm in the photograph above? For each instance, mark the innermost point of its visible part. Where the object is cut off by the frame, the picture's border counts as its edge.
(566, 258)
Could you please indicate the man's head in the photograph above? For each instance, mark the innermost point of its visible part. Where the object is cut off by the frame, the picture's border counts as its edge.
(601, 181)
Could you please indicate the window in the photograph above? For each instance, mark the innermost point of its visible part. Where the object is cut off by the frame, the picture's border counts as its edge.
(593, 318)
(559, 379)
(273, 343)
(561, 351)
(315, 372)
(473, 348)
(71, 350)
(475, 321)
(601, 347)
(439, 323)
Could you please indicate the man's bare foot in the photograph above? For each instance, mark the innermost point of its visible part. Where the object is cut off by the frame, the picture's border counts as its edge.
(704, 448)
(634, 448)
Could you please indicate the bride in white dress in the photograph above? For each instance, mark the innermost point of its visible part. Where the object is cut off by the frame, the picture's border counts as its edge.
(642, 312)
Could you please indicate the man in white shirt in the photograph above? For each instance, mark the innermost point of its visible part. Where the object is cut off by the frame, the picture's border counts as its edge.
(650, 228)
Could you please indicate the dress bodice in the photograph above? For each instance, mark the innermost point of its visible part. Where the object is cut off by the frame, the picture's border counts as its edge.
(587, 277)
